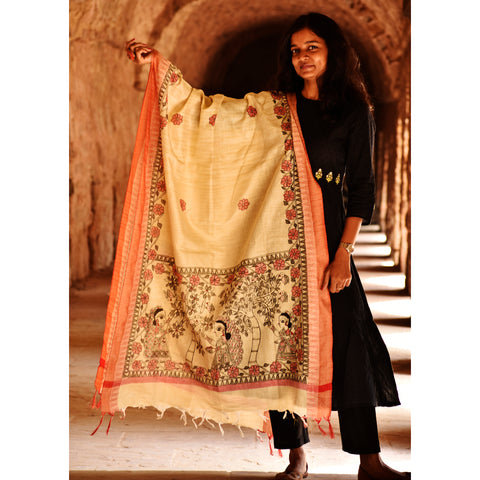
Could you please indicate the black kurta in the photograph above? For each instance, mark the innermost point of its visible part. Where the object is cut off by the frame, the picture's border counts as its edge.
(362, 371)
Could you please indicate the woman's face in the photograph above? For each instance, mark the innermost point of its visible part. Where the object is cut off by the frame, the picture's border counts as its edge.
(219, 330)
(309, 54)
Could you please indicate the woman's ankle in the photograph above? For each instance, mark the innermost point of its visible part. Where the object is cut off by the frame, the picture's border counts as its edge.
(371, 460)
(298, 459)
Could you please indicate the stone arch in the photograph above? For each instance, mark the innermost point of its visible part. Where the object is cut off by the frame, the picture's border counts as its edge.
(210, 40)
(202, 29)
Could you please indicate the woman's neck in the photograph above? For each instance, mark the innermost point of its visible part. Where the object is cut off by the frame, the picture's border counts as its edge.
(310, 90)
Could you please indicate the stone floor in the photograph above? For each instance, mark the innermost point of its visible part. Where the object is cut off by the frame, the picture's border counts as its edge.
(142, 447)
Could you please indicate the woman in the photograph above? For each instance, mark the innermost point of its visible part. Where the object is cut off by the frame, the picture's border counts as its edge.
(334, 112)
(333, 106)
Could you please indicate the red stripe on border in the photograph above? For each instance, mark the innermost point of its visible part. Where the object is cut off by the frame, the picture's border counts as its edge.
(223, 388)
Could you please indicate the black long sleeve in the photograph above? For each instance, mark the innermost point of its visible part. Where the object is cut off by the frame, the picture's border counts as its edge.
(359, 178)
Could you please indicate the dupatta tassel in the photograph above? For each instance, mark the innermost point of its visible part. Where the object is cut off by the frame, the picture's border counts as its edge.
(98, 426)
(109, 423)
(330, 428)
(270, 444)
(270, 438)
(100, 422)
(320, 428)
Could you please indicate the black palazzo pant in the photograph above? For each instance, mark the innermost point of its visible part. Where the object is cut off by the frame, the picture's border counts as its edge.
(358, 430)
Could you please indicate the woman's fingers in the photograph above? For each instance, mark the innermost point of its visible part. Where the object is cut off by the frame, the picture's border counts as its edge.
(135, 46)
(335, 288)
(138, 52)
(143, 56)
(132, 45)
(334, 280)
(337, 284)
(143, 51)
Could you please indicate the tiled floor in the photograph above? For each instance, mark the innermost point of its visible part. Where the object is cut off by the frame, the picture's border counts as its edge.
(142, 447)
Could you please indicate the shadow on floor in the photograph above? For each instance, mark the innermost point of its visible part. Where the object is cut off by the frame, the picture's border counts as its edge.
(158, 475)
(403, 365)
(395, 322)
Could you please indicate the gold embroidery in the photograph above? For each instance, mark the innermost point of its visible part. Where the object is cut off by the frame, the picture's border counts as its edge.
(329, 177)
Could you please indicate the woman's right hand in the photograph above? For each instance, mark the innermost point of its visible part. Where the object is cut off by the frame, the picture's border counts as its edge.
(139, 53)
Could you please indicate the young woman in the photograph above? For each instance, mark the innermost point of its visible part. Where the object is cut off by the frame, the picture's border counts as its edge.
(319, 66)
(334, 109)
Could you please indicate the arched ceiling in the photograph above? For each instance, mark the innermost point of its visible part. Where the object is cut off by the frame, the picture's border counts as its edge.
(203, 34)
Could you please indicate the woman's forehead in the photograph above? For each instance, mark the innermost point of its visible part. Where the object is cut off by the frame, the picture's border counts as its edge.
(305, 35)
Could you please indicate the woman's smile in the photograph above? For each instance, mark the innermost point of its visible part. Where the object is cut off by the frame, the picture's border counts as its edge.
(305, 67)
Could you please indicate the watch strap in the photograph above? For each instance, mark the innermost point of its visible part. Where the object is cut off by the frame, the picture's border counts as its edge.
(347, 246)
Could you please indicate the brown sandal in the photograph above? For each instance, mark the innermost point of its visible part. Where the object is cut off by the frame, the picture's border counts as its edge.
(287, 475)
(364, 475)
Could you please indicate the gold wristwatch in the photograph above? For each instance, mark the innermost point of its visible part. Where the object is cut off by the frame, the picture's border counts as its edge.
(347, 246)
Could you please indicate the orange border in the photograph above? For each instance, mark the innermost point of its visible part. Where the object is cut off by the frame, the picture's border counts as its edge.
(126, 269)
(320, 311)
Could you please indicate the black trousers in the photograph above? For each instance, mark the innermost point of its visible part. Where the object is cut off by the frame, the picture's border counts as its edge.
(358, 430)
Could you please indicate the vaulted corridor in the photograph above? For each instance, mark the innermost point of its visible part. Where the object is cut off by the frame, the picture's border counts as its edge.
(228, 47)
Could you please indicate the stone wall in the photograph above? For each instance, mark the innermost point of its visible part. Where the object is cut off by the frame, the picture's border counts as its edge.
(207, 39)
(105, 100)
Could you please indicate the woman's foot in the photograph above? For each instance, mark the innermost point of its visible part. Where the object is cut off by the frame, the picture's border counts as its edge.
(373, 468)
(297, 468)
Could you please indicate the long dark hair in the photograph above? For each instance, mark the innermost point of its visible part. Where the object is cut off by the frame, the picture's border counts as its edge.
(342, 82)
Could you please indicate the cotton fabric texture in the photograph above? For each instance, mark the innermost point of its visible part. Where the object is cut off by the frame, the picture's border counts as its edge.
(215, 306)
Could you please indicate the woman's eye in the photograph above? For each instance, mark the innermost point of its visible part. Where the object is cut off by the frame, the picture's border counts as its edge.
(294, 51)
(312, 47)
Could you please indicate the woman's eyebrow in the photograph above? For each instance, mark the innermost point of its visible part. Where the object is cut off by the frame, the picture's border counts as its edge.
(308, 41)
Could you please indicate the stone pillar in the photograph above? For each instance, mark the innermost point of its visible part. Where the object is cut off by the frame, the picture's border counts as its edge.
(392, 164)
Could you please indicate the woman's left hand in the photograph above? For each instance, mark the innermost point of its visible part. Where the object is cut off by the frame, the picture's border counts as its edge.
(139, 53)
(338, 275)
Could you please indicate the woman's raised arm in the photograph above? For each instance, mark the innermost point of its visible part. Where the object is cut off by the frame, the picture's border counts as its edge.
(138, 52)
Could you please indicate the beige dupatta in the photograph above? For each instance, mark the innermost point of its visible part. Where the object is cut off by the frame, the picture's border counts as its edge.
(215, 306)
